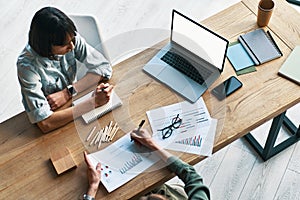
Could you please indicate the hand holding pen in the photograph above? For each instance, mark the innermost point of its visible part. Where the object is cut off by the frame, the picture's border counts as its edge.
(102, 87)
(140, 125)
(139, 128)
(102, 94)
(143, 137)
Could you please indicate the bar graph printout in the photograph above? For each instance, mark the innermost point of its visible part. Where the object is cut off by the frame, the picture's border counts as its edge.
(196, 132)
(122, 161)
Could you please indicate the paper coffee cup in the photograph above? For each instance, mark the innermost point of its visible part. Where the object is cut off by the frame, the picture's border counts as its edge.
(265, 9)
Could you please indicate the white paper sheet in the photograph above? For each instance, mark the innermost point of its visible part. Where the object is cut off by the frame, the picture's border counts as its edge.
(122, 161)
(195, 134)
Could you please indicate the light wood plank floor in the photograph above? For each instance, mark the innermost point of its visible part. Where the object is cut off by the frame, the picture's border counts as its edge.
(235, 172)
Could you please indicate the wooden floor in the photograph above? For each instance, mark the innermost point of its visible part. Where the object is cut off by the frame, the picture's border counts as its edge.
(235, 172)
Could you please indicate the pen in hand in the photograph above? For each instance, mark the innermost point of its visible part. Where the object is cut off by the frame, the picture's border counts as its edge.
(103, 89)
(140, 126)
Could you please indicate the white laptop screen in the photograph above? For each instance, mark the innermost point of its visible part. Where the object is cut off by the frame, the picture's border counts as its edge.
(199, 40)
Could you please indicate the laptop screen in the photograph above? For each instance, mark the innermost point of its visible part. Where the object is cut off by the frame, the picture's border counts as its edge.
(199, 40)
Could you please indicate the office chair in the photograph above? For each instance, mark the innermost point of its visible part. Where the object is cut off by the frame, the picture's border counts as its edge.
(87, 27)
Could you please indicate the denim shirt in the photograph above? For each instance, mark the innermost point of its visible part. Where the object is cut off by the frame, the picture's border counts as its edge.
(39, 76)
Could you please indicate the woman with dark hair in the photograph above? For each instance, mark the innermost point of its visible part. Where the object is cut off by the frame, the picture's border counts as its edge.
(47, 71)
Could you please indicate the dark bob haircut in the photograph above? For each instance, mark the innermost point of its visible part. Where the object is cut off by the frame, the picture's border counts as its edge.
(49, 26)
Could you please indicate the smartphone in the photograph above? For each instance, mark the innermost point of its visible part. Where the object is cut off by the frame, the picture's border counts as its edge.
(296, 2)
(227, 87)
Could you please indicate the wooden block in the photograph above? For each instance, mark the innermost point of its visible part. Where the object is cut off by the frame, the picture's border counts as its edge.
(62, 160)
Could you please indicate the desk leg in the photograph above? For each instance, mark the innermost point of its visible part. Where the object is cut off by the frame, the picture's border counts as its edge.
(269, 150)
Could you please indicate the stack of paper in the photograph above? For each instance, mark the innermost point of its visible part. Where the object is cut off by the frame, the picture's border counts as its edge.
(123, 160)
(195, 134)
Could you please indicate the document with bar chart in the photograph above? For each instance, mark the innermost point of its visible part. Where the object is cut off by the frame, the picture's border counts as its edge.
(184, 127)
(122, 161)
(199, 141)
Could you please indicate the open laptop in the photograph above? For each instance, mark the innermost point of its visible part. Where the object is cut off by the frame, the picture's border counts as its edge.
(192, 60)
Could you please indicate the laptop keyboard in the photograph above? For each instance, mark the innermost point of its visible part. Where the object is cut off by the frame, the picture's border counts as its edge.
(184, 66)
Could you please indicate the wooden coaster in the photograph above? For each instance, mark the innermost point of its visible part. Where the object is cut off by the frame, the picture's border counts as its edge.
(62, 160)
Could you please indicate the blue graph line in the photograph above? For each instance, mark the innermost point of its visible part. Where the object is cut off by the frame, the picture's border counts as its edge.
(135, 160)
(192, 141)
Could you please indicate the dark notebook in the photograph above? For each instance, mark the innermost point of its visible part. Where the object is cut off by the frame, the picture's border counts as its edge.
(260, 46)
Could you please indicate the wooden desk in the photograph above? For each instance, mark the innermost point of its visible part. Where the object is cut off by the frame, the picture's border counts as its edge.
(25, 169)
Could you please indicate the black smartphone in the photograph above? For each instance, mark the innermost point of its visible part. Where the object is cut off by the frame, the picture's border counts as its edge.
(297, 2)
(227, 87)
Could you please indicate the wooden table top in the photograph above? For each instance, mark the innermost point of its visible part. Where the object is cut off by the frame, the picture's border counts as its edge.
(25, 168)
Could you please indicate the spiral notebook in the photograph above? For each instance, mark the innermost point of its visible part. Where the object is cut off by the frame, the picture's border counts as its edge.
(260, 46)
(92, 115)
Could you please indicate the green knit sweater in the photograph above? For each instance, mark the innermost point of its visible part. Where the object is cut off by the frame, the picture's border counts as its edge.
(194, 187)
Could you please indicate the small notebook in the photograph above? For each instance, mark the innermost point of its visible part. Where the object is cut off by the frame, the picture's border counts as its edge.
(291, 67)
(260, 46)
(92, 115)
(240, 59)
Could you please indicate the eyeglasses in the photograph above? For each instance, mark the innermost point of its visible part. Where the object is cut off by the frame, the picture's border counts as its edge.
(168, 130)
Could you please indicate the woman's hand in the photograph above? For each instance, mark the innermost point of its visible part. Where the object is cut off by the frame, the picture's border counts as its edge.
(144, 138)
(94, 176)
(58, 99)
(102, 94)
